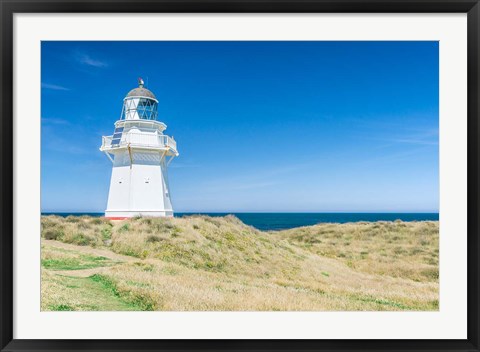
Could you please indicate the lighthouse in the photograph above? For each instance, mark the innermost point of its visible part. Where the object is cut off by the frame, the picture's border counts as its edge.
(140, 153)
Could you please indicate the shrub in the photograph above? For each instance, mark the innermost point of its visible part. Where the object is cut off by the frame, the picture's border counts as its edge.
(106, 233)
(153, 239)
(161, 226)
(124, 228)
(84, 226)
(72, 219)
(53, 234)
(51, 221)
(82, 240)
(146, 221)
(97, 221)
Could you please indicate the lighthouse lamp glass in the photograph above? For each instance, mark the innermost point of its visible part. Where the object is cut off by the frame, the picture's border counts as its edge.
(139, 108)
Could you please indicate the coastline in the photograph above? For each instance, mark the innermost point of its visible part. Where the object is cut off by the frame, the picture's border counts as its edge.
(266, 221)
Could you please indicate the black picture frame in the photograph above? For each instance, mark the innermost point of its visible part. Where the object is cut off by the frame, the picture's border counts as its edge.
(9, 8)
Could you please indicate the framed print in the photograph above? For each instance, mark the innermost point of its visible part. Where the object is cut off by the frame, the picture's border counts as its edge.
(240, 175)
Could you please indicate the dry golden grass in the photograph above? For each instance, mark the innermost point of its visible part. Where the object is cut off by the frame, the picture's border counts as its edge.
(398, 249)
(205, 263)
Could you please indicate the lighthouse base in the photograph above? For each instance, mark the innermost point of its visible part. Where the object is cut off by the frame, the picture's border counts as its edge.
(120, 215)
(140, 188)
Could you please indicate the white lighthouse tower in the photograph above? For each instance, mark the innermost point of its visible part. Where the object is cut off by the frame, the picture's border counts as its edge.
(140, 154)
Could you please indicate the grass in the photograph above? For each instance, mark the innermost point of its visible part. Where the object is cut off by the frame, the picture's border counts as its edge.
(66, 293)
(142, 302)
(397, 249)
(57, 259)
(69, 264)
(220, 264)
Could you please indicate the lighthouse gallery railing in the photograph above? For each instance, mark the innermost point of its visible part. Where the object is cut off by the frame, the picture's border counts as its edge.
(140, 140)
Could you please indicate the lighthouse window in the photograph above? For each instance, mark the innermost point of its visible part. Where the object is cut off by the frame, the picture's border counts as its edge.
(147, 109)
(140, 108)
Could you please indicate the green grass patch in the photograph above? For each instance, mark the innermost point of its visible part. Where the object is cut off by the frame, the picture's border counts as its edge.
(106, 233)
(381, 302)
(141, 302)
(78, 263)
(83, 294)
(137, 284)
(61, 307)
(124, 228)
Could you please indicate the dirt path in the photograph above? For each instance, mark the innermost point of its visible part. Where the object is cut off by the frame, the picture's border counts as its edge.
(79, 289)
(81, 272)
(114, 257)
(79, 293)
(91, 251)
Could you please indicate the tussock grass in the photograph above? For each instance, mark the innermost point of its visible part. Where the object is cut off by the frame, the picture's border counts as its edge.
(219, 263)
(79, 230)
(398, 249)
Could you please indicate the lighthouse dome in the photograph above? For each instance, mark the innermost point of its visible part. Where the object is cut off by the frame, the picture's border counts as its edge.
(141, 92)
(140, 103)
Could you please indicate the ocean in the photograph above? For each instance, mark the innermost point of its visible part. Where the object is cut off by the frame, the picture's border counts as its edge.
(282, 221)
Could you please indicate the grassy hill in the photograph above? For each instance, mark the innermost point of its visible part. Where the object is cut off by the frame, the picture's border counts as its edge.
(219, 263)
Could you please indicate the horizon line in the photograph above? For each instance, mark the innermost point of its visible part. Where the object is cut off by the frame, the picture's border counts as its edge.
(265, 212)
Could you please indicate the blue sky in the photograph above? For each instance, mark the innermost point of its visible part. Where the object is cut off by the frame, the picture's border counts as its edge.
(260, 126)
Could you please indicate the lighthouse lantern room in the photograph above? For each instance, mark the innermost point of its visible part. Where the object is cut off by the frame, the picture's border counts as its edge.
(140, 154)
